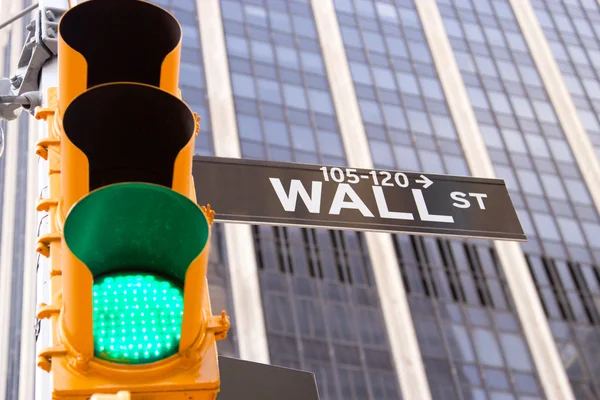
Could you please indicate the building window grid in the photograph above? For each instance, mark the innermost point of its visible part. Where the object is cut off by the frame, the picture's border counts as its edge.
(242, 27)
(572, 48)
(571, 305)
(419, 257)
(191, 74)
(533, 167)
(299, 265)
(412, 129)
(441, 283)
(558, 295)
(502, 153)
(569, 296)
(330, 262)
(220, 289)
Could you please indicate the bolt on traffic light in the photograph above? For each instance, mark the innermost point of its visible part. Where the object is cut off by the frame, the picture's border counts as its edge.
(135, 313)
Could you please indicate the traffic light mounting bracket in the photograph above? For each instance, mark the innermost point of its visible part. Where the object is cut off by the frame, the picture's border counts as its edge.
(41, 44)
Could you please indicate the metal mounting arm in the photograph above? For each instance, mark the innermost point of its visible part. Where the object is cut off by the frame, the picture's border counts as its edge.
(41, 44)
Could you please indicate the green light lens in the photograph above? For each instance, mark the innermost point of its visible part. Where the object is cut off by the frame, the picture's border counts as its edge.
(137, 318)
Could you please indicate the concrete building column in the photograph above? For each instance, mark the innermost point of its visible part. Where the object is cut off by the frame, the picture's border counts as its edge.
(8, 210)
(249, 318)
(28, 357)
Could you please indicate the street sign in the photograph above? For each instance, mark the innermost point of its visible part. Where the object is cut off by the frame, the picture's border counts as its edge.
(276, 193)
(241, 380)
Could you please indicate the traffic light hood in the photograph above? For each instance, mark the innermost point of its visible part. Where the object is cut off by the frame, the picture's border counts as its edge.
(137, 138)
(136, 227)
(117, 41)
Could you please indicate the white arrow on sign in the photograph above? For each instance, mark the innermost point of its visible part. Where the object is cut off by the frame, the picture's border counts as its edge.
(425, 181)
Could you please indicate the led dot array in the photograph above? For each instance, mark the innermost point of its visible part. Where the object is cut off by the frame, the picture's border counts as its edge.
(137, 318)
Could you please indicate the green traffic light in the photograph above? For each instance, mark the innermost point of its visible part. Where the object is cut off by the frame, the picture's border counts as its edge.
(136, 226)
(134, 237)
(137, 318)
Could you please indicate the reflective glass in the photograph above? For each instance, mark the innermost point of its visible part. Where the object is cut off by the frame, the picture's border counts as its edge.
(530, 151)
(409, 127)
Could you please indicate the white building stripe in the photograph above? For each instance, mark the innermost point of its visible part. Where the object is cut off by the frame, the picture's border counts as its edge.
(5, 10)
(559, 94)
(392, 295)
(249, 317)
(535, 325)
(27, 355)
(8, 213)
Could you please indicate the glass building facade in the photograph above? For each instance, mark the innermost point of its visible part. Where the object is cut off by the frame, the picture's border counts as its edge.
(470, 338)
(573, 33)
(317, 286)
(520, 128)
(323, 310)
(529, 150)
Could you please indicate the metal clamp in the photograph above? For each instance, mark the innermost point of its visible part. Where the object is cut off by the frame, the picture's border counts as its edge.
(219, 325)
(197, 119)
(209, 213)
(45, 356)
(44, 204)
(47, 310)
(44, 242)
(41, 147)
(40, 45)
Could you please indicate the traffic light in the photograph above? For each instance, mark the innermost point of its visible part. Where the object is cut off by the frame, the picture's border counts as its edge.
(135, 311)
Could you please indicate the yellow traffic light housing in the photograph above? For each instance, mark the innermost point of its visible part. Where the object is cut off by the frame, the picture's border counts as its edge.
(135, 311)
